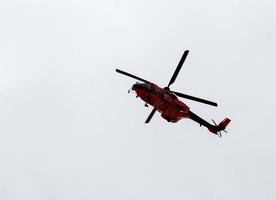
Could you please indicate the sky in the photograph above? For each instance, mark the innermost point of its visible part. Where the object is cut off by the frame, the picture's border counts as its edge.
(69, 129)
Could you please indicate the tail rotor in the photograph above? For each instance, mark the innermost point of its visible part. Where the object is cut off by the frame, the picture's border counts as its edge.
(221, 127)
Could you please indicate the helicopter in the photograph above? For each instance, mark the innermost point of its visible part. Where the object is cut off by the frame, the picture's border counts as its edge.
(167, 103)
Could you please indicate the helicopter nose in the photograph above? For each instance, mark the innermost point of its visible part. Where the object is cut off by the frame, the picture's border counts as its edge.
(134, 87)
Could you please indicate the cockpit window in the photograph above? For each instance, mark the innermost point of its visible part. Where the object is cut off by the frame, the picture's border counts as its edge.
(143, 85)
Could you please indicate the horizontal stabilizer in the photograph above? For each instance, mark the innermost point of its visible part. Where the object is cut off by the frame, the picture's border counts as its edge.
(224, 123)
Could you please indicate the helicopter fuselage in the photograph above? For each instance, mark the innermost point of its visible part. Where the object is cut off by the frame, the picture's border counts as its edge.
(170, 107)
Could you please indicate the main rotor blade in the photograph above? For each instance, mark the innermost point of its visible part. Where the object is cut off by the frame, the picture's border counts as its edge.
(178, 67)
(132, 76)
(151, 115)
(195, 98)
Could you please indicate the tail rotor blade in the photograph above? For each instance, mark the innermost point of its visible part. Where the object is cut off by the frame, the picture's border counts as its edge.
(219, 134)
(178, 67)
(214, 122)
(151, 115)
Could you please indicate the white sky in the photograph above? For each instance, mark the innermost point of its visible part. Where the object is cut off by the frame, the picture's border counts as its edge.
(69, 130)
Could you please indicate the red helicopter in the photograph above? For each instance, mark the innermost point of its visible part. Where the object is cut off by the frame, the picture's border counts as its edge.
(166, 102)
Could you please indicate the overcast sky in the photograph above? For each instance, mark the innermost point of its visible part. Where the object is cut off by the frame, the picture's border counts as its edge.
(69, 129)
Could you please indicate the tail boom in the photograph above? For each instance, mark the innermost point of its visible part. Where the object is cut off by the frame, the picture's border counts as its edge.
(212, 128)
